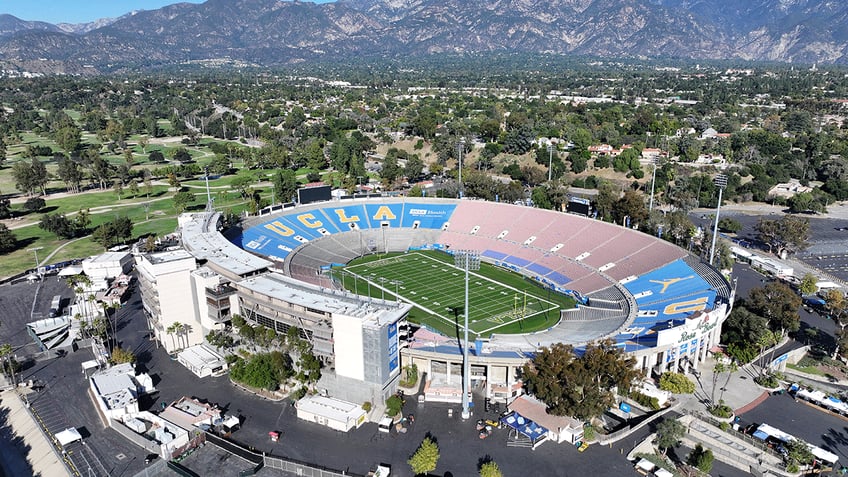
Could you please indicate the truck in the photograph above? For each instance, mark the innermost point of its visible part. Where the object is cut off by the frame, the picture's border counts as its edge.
(55, 306)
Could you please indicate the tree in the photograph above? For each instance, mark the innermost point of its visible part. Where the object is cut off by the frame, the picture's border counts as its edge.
(837, 306)
(631, 205)
(182, 200)
(174, 329)
(118, 187)
(701, 458)
(798, 452)
(134, 187)
(156, 157)
(113, 232)
(68, 138)
(414, 168)
(809, 284)
(8, 242)
(778, 304)
(285, 185)
(786, 235)
(669, 434)
(804, 202)
(391, 170)
(70, 173)
(490, 469)
(729, 225)
(121, 355)
(676, 383)
(34, 204)
(424, 459)
(579, 387)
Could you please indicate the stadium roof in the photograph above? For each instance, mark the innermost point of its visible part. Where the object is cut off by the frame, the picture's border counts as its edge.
(324, 299)
(200, 237)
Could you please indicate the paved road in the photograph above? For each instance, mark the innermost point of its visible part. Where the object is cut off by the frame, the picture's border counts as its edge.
(803, 421)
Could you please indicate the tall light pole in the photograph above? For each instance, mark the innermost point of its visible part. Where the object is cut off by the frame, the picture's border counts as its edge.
(653, 182)
(550, 159)
(720, 181)
(460, 149)
(467, 260)
(208, 194)
(35, 250)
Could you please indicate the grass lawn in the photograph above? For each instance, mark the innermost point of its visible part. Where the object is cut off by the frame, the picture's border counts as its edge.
(159, 219)
(500, 301)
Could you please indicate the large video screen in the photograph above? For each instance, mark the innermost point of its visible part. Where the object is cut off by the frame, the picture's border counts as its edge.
(308, 195)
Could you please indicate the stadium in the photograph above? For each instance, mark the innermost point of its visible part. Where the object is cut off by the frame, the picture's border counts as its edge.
(371, 282)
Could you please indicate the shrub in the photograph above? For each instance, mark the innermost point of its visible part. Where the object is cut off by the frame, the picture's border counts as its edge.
(767, 381)
(676, 383)
(366, 406)
(701, 458)
(645, 400)
(721, 410)
(393, 405)
(298, 393)
(588, 432)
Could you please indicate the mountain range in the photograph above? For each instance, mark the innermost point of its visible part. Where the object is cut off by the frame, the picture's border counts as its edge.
(273, 33)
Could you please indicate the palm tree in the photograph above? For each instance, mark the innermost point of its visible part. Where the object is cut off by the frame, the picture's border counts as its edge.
(172, 330)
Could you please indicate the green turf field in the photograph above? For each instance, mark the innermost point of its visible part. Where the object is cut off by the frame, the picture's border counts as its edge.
(500, 301)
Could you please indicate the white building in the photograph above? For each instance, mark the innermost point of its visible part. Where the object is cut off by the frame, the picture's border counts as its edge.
(107, 265)
(167, 296)
(116, 390)
(203, 361)
(333, 413)
(170, 438)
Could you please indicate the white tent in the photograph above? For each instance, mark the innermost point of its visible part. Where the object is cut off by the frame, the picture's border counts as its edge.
(69, 435)
(70, 271)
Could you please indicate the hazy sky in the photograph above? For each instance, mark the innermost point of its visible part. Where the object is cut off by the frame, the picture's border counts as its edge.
(81, 11)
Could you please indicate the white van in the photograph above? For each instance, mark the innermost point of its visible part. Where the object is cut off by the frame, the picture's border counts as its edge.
(385, 424)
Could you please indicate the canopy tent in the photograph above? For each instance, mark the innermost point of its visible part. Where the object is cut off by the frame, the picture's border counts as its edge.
(70, 271)
(645, 465)
(525, 426)
(69, 435)
(765, 431)
(663, 473)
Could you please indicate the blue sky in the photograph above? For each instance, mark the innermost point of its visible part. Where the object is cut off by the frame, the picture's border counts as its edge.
(81, 11)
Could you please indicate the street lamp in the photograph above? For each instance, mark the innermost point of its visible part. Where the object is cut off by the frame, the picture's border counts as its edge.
(720, 181)
(550, 159)
(460, 149)
(467, 260)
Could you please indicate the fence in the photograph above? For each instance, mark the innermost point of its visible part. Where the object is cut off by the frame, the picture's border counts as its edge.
(288, 465)
(154, 469)
(621, 434)
(134, 437)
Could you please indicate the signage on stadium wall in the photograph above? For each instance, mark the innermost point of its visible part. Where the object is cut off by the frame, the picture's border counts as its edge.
(696, 326)
(392, 335)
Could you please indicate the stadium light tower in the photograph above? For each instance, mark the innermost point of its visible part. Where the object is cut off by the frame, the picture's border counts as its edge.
(467, 260)
(550, 159)
(720, 181)
(653, 183)
(460, 148)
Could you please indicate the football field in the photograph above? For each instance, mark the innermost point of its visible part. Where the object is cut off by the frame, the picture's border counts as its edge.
(499, 301)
